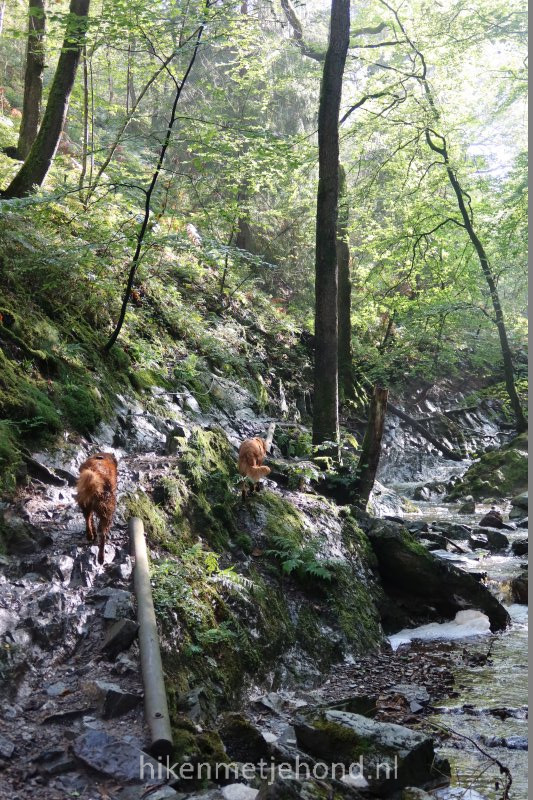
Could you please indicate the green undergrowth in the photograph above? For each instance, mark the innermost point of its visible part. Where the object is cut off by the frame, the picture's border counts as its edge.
(62, 276)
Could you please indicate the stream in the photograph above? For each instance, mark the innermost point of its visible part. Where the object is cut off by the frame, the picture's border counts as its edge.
(490, 706)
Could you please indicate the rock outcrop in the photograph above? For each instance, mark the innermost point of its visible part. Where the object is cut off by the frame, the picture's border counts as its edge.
(423, 588)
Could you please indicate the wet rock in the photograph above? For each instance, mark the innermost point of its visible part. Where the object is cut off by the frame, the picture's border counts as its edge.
(519, 547)
(468, 506)
(422, 587)
(495, 539)
(119, 637)
(511, 742)
(384, 500)
(238, 791)
(417, 526)
(478, 542)
(429, 490)
(113, 701)
(520, 501)
(500, 473)
(519, 589)
(243, 742)
(116, 758)
(342, 737)
(412, 793)
(523, 523)
(493, 519)
(453, 530)
(7, 747)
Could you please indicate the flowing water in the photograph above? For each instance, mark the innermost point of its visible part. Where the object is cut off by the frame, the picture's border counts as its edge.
(490, 708)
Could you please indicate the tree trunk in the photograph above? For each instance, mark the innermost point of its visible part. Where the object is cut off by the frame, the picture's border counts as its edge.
(508, 369)
(371, 448)
(326, 389)
(344, 300)
(2, 12)
(33, 78)
(39, 159)
(85, 127)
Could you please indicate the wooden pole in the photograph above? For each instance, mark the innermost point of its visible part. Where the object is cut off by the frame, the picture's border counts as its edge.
(155, 696)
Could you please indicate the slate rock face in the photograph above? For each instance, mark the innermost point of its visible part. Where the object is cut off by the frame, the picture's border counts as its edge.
(115, 758)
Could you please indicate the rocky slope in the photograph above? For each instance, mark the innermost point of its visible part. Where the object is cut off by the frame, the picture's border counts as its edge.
(252, 597)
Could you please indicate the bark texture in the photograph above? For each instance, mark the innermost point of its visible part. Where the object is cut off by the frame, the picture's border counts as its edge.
(344, 301)
(371, 448)
(326, 390)
(39, 159)
(33, 78)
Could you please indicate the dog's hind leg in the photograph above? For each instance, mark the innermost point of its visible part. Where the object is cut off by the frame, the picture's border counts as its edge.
(103, 530)
(89, 522)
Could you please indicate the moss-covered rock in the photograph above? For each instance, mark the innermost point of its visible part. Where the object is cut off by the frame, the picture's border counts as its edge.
(500, 473)
(342, 738)
(423, 588)
(10, 459)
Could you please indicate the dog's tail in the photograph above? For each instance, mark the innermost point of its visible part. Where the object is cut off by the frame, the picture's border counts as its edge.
(89, 487)
(256, 473)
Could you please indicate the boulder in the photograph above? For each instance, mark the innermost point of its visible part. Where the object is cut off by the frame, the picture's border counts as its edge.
(520, 547)
(424, 588)
(520, 501)
(496, 540)
(340, 737)
(500, 473)
(453, 530)
(493, 519)
(469, 506)
(519, 589)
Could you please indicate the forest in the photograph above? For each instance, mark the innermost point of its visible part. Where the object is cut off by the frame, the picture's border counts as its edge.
(298, 223)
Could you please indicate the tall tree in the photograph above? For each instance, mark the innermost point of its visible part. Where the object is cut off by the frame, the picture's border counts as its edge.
(326, 389)
(33, 78)
(344, 302)
(39, 159)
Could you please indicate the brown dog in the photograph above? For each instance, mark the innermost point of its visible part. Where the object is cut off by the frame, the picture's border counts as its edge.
(97, 494)
(251, 455)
